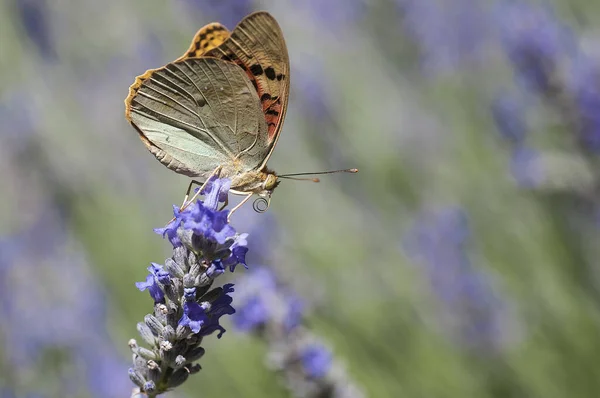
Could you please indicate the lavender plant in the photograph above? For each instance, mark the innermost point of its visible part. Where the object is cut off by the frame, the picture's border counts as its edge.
(554, 72)
(268, 310)
(55, 312)
(227, 12)
(186, 306)
(53, 338)
(34, 17)
(448, 35)
(556, 156)
(471, 310)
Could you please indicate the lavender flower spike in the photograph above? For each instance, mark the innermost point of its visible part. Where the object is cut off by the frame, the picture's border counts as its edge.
(269, 311)
(471, 309)
(185, 307)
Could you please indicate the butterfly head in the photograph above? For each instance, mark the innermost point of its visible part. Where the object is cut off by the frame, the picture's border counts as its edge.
(270, 183)
(267, 186)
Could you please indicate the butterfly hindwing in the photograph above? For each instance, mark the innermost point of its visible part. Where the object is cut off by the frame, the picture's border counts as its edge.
(199, 113)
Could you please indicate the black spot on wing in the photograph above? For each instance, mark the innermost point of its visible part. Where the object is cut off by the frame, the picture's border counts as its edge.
(256, 70)
(270, 73)
(202, 38)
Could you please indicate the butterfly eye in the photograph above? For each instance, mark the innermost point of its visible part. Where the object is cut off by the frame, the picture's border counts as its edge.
(270, 182)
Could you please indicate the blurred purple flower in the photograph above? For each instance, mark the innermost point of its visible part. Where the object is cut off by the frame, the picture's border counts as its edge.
(549, 63)
(270, 311)
(584, 85)
(251, 315)
(316, 360)
(525, 168)
(47, 292)
(105, 372)
(534, 41)
(227, 12)
(7, 393)
(255, 311)
(35, 19)
(509, 117)
(17, 112)
(473, 312)
(446, 33)
(314, 89)
(295, 312)
(149, 51)
(336, 13)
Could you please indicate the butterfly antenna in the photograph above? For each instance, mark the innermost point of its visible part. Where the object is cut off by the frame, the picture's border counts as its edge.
(317, 173)
(300, 179)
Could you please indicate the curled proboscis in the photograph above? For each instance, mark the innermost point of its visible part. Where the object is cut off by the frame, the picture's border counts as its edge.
(260, 205)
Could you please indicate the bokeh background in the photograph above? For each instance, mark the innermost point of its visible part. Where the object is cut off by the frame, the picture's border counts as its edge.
(462, 261)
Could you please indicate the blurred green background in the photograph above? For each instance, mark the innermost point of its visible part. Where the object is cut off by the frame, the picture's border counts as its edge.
(461, 261)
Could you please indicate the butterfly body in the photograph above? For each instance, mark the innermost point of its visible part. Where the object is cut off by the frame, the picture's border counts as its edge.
(220, 107)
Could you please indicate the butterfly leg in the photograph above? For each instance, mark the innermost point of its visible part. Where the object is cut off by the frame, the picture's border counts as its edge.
(239, 205)
(186, 204)
(215, 172)
(189, 189)
(225, 203)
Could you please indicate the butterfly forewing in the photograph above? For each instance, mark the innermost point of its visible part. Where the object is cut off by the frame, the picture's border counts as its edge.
(258, 46)
(199, 113)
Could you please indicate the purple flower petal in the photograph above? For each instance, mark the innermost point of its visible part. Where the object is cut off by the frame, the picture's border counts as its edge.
(153, 288)
(160, 273)
(221, 306)
(252, 314)
(170, 231)
(238, 253)
(215, 192)
(193, 316)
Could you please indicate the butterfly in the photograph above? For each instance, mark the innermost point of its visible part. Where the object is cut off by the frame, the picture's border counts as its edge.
(219, 108)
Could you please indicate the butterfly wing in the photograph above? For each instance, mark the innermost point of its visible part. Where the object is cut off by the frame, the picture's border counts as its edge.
(257, 45)
(206, 39)
(199, 113)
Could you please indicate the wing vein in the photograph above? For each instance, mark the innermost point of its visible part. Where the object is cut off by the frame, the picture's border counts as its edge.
(173, 75)
(217, 117)
(177, 121)
(194, 113)
(235, 103)
(197, 88)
